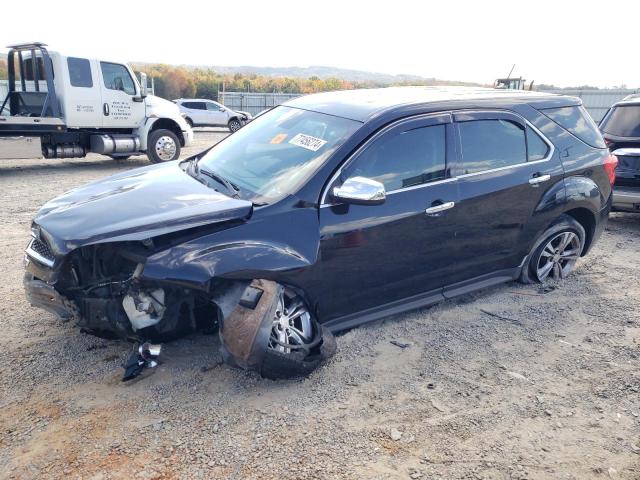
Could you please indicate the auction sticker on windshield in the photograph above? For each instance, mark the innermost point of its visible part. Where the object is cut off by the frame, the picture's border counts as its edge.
(307, 141)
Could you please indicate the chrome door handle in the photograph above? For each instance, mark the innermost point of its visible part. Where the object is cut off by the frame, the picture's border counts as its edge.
(537, 180)
(440, 208)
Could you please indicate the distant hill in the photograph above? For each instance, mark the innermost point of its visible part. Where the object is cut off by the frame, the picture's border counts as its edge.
(322, 72)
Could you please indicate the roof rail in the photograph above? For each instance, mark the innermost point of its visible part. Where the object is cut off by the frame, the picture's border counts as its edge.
(28, 45)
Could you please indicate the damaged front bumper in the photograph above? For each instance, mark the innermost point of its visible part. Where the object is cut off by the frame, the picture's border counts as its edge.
(42, 295)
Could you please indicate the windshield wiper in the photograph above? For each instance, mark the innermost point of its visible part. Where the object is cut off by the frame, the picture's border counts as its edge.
(233, 189)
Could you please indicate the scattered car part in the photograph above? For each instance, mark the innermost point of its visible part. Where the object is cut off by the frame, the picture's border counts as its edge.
(145, 356)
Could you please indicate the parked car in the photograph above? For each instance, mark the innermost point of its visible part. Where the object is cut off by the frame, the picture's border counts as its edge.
(621, 130)
(330, 211)
(207, 113)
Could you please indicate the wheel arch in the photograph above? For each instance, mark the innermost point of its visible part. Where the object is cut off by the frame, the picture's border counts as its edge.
(167, 124)
(587, 219)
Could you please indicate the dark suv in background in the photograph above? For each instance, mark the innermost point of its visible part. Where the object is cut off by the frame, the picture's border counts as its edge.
(621, 130)
(332, 210)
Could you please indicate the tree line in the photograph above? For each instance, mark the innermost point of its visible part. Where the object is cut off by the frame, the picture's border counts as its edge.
(180, 82)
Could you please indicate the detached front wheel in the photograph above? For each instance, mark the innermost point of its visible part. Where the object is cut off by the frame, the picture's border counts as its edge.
(297, 343)
(272, 331)
(163, 146)
(555, 254)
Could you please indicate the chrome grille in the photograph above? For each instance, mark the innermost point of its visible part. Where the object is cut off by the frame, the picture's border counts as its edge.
(41, 252)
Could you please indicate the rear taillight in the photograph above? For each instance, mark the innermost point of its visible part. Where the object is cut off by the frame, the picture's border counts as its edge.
(610, 165)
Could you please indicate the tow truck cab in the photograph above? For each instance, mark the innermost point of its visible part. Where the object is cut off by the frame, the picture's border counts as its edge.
(75, 105)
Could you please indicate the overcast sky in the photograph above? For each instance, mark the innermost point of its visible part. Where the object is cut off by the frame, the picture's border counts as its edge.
(560, 42)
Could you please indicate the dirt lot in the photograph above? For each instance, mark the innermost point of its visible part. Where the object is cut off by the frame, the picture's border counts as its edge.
(549, 390)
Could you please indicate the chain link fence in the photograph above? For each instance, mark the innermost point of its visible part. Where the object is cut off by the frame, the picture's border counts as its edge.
(253, 103)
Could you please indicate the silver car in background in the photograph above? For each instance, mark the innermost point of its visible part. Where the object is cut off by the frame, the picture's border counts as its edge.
(207, 113)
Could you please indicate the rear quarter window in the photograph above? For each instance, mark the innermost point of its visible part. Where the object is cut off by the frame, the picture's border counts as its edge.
(79, 72)
(578, 122)
(622, 121)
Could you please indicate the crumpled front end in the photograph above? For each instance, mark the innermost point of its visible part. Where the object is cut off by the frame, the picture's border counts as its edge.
(101, 288)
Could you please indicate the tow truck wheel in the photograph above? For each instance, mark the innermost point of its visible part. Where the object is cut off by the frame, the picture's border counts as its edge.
(163, 146)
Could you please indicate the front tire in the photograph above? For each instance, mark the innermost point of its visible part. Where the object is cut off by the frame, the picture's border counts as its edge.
(163, 146)
(234, 125)
(297, 343)
(554, 255)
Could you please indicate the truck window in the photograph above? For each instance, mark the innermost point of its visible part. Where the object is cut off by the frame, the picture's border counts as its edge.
(116, 77)
(79, 72)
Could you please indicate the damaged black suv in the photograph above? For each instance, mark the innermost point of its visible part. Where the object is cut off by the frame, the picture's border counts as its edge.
(329, 211)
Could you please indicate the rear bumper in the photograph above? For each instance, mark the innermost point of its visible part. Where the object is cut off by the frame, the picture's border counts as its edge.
(626, 198)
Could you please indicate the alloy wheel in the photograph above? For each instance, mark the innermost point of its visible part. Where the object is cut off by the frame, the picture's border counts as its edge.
(292, 326)
(558, 256)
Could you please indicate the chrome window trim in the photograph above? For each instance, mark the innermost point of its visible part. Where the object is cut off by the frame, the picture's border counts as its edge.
(36, 256)
(549, 156)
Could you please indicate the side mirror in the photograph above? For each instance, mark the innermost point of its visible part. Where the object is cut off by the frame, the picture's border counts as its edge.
(222, 109)
(143, 84)
(360, 191)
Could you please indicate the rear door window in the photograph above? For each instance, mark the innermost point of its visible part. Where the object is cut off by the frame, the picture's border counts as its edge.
(491, 144)
(578, 122)
(404, 159)
(79, 72)
(622, 121)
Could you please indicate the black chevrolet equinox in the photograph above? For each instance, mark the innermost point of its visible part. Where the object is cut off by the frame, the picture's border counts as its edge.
(326, 212)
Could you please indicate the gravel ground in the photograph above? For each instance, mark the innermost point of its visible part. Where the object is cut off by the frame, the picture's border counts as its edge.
(549, 390)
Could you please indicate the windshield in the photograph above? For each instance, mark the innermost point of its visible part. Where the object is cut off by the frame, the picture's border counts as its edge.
(275, 154)
(623, 121)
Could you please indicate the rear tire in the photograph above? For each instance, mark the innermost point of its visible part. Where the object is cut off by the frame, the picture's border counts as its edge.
(555, 253)
(163, 146)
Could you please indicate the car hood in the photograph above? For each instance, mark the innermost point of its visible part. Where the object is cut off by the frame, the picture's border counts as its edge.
(135, 205)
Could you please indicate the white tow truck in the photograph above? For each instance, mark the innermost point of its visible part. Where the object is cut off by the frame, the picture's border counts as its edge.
(59, 106)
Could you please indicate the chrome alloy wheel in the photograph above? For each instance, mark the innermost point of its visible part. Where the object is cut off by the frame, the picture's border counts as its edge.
(292, 325)
(165, 148)
(558, 256)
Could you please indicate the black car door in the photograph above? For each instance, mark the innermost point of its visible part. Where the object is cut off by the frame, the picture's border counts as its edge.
(505, 168)
(372, 255)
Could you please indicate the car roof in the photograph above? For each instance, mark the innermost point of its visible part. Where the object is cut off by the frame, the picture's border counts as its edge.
(633, 99)
(364, 104)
